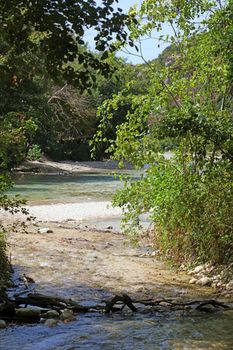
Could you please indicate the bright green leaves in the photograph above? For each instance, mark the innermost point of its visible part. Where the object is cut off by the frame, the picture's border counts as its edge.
(189, 101)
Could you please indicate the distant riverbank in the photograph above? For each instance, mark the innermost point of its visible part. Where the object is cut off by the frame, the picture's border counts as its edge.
(46, 166)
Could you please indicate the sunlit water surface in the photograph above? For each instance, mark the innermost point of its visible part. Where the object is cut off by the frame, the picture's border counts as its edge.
(125, 332)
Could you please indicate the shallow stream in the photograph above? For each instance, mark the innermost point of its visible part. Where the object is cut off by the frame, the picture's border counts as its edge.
(93, 265)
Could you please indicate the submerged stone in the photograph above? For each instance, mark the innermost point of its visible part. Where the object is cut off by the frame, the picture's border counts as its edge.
(67, 315)
(51, 322)
(2, 324)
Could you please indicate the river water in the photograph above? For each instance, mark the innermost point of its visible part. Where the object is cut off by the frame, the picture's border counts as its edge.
(126, 331)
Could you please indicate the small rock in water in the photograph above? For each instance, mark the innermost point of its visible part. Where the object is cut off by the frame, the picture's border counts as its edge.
(193, 280)
(204, 281)
(51, 322)
(109, 228)
(2, 324)
(26, 312)
(44, 230)
(67, 315)
(52, 314)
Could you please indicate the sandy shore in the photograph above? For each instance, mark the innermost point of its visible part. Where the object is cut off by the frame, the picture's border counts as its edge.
(74, 211)
(45, 166)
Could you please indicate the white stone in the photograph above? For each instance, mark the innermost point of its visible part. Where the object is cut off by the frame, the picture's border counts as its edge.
(198, 269)
(2, 324)
(193, 280)
(204, 281)
(44, 230)
(51, 322)
(219, 285)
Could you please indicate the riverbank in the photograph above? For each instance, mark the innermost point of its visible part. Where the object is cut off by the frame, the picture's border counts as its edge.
(79, 261)
(45, 166)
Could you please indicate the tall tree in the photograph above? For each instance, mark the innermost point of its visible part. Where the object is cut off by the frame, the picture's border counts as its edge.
(190, 100)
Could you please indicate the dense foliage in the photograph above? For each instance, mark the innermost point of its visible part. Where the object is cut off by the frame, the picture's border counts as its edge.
(189, 100)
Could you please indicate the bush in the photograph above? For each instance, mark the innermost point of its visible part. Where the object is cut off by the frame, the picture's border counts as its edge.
(192, 212)
(34, 152)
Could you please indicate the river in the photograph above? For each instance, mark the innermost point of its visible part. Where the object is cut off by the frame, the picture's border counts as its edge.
(91, 265)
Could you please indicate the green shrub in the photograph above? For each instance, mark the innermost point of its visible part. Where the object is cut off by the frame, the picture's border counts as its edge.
(34, 152)
(192, 212)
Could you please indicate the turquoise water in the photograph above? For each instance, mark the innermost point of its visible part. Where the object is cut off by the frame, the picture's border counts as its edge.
(63, 189)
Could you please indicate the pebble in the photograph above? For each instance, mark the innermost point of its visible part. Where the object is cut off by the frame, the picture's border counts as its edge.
(2, 324)
(51, 322)
(44, 230)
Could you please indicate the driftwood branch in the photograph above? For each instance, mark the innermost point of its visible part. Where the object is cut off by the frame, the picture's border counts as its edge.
(124, 298)
(115, 304)
(47, 301)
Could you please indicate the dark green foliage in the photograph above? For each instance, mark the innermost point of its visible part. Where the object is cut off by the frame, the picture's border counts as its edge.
(56, 28)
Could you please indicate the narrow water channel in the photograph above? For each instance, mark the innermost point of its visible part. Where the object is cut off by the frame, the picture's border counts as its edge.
(125, 331)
